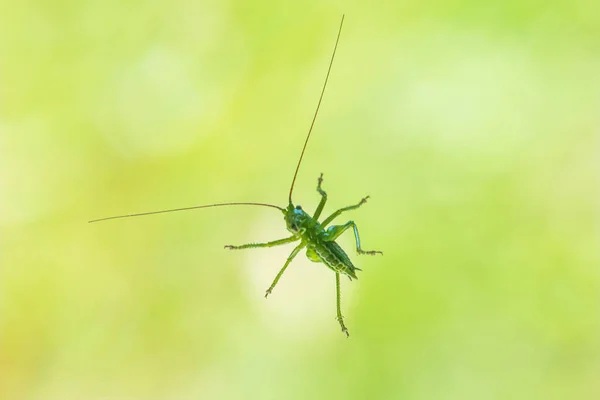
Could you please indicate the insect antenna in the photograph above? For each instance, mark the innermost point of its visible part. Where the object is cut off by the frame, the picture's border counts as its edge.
(187, 208)
(317, 110)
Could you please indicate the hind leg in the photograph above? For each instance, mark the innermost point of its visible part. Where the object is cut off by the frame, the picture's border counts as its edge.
(338, 303)
(335, 231)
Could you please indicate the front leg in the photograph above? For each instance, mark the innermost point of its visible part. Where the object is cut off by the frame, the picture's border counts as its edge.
(333, 232)
(323, 198)
(268, 244)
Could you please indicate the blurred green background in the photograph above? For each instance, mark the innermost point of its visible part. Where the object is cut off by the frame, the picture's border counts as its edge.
(474, 126)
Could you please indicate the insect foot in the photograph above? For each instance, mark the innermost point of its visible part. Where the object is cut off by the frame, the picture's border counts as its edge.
(363, 201)
(229, 247)
(268, 292)
(319, 182)
(370, 252)
(344, 329)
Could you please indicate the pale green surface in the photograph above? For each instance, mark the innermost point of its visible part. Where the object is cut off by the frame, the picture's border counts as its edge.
(474, 126)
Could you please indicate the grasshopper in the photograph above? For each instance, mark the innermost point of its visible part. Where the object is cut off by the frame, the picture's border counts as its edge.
(315, 236)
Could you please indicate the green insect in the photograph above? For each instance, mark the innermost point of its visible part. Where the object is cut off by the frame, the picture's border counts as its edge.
(315, 236)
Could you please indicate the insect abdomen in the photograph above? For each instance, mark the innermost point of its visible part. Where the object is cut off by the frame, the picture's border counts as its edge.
(332, 255)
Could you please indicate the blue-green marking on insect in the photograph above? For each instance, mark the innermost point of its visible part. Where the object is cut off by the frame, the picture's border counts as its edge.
(315, 236)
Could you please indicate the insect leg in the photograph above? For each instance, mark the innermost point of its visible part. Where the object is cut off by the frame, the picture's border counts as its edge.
(289, 260)
(333, 232)
(339, 308)
(341, 210)
(323, 198)
(268, 244)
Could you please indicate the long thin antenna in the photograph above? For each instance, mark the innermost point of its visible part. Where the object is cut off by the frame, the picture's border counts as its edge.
(317, 110)
(188, 208)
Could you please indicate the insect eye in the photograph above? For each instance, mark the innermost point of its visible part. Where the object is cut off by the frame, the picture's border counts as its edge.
(298, 208)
